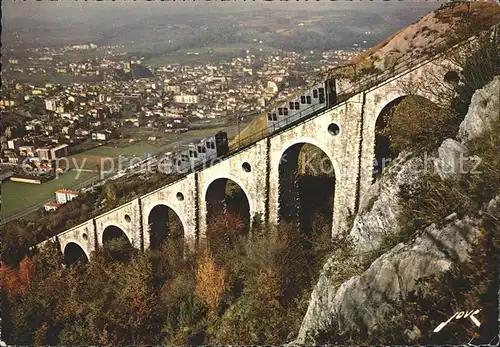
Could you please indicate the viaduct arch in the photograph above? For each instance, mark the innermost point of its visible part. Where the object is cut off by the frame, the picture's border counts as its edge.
(417, 82)
(116, 244)
(306, 185)
(73, 253)
(163, 222)
(217, 200)
(112, 231)
(247, 169)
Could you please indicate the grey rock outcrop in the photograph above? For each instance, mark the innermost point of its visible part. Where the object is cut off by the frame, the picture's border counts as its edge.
(364, 301)
(494, 205)
(453, 160)
(483, 110)
(380, 206)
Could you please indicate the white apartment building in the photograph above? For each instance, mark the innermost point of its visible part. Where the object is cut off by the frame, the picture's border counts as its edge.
(50, 105)
(65, 195)
(186, 99)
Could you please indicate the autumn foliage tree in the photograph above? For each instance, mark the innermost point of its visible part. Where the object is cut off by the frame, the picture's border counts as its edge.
(212, 282)
(224, 232)
(15, 281)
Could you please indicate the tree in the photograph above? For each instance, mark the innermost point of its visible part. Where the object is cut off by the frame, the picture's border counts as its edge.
(223, 233)
(212, 282)
(477, 71)
(15, 281)
(16, 239)
(416, 124)
(111, 193)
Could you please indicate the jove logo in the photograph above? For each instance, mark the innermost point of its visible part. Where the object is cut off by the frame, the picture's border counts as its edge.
(459, 315)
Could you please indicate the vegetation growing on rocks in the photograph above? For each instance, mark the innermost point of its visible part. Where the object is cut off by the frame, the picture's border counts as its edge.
(467, 285)
(418, 125)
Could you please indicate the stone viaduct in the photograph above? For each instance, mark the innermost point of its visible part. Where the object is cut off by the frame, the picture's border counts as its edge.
(351, 151)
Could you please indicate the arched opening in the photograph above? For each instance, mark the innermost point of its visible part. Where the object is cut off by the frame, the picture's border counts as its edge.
(228, 213)
(383, 153)
(410, 123)
(116, 244)
(306, 188)
(74, 254)
(164, 224)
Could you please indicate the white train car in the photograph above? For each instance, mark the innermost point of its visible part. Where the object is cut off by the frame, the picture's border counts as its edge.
(198, 153)
(315, 99)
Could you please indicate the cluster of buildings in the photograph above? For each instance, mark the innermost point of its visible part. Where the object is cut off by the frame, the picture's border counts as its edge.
(56, 117)
(207, 90)
(62, 196)
(20, 148)
(50, 60)
(34, 165)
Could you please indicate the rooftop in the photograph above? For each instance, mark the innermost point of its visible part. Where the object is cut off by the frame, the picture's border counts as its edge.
(67, 191)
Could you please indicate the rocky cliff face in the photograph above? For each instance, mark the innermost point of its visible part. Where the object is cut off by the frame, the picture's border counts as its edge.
(363, 301)
(367, 300)
(484, 108)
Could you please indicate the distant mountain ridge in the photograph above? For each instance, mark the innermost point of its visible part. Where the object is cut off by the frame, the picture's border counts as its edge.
(340, 28)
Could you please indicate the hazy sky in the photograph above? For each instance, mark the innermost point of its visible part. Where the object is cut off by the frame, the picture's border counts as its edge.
(56, 22)
(67, 10)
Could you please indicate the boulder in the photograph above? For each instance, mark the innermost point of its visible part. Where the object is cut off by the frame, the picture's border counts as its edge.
(453, 160)
(483, 110)
(380, 205)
